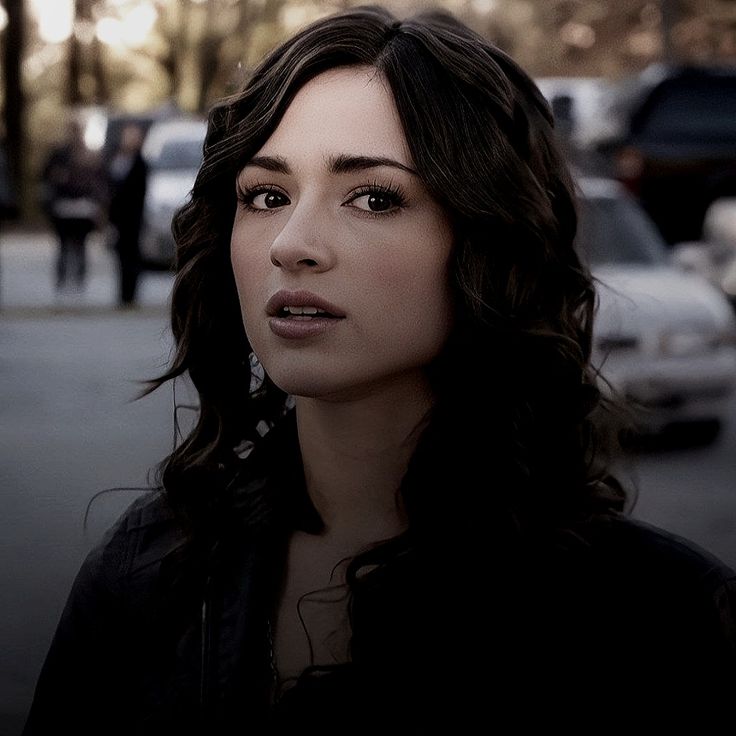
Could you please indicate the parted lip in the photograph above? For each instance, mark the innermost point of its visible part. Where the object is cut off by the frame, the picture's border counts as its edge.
(283, 299)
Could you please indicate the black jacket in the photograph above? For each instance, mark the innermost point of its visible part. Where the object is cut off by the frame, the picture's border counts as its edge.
(622, 621)
(73, 187)
(127, 196)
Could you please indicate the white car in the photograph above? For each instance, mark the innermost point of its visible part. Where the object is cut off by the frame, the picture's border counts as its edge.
(173, 151)
(663, 338)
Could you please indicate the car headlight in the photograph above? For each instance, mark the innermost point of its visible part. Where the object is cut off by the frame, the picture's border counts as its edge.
(686, 343)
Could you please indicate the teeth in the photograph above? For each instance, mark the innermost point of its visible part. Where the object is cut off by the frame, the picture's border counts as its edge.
(301, 310)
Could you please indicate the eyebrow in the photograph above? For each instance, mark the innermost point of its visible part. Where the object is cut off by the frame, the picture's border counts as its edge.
(344, 164)
(340, 164)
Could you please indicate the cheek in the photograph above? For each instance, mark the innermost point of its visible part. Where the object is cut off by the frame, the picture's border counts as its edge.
(400, 265)
(414, 270)
(411, 299)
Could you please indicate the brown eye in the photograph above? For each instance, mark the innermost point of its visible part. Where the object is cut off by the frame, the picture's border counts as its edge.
(267, 200)
(261, 198)
(377, 200)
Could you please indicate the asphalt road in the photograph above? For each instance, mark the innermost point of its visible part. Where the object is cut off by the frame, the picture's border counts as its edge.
(69, 428)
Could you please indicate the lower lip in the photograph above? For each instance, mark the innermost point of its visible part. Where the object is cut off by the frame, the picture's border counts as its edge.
(292, 328)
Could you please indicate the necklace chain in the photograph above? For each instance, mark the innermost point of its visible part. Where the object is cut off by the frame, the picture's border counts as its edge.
(272, 653)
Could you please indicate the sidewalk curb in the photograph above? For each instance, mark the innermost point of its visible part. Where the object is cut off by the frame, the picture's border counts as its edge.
(88, 310)
(27, 266)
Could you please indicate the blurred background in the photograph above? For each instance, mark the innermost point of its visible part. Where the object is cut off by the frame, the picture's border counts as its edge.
(102, 110)
(146, 55)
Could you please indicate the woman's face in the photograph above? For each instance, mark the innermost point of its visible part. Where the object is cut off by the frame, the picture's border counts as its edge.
(339, 253)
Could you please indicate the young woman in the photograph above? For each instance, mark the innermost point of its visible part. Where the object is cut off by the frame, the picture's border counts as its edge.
(391, 512)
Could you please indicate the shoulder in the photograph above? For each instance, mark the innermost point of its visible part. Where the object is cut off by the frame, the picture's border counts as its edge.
(120, 571)
(143, 535)
(630, 545)
(661, 581)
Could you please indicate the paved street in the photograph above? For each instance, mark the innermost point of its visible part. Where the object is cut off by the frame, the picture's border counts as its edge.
(69, 428)
(27, 277)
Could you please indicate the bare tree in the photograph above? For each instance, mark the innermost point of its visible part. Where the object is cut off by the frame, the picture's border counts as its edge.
(85, 58)
(179, 15)
(223, 60)
(14, 110)
(209, 54)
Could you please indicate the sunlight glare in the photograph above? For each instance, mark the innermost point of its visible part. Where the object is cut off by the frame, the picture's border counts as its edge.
(94, 131)
(109, 31)
(55, 19)
(137, 24)
(132, 30)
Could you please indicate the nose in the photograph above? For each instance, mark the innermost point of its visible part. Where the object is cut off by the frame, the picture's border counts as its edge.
(305, 241)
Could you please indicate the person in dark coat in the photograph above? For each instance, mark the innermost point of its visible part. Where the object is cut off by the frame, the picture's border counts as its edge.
(127, 175)
(73, 189)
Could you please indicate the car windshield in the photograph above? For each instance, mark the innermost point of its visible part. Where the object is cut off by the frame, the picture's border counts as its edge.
(613, 230)
(180, 154)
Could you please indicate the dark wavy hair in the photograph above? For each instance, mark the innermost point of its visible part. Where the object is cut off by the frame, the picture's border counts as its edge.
(510, 441)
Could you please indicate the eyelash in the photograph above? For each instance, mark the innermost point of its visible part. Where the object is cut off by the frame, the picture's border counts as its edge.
(394, 192)
(247, 194)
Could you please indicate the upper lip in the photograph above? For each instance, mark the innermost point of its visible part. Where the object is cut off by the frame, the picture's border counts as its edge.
(283, 299)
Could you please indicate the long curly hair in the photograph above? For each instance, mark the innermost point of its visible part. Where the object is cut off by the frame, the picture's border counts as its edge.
(510, 440)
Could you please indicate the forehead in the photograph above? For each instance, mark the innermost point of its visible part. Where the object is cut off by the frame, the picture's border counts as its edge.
(349, 110)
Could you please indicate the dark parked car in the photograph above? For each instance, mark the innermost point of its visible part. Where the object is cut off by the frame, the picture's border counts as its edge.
(677, 149)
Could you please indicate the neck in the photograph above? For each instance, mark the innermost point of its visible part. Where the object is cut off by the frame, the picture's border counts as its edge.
(355, 455)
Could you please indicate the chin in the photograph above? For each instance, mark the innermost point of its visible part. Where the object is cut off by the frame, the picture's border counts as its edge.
(335, 385)
(308, 386)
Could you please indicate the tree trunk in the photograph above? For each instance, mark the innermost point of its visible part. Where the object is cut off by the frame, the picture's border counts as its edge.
(209, 52)
(102, 90)
(74, 71)
(14, 98)
(178, 47)
(84, 58)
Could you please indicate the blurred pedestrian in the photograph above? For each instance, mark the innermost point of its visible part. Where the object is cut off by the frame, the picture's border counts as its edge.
(392, 515)
(73, 189)
(127, 174)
